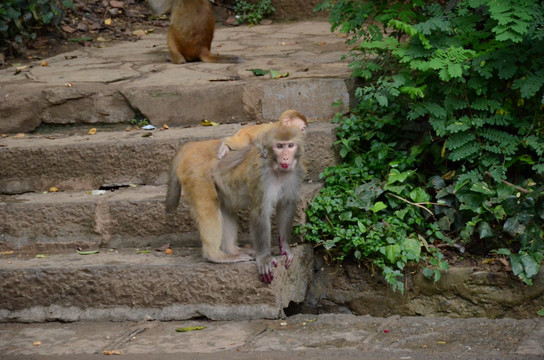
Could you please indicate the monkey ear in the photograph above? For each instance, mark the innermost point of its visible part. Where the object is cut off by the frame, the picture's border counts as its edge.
(264, 153)
(285, 121)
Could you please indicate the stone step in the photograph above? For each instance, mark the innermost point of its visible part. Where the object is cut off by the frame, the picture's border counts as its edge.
(128, 217)
(86, 162)
(119, 80)
(124, 285)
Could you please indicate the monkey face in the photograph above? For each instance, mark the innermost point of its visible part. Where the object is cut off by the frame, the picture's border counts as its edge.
(285, 155)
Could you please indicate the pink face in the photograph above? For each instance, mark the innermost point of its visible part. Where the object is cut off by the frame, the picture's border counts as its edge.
(285, 154)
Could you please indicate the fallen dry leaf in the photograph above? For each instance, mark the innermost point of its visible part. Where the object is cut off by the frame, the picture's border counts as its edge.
(18, 136)
(44, 63)
(139, 32)
(37, 343)
(92, 131)
(168, 251)
(53, 189)
(112, 352)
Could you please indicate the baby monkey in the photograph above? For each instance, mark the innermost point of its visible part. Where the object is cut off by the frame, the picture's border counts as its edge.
(249, 134)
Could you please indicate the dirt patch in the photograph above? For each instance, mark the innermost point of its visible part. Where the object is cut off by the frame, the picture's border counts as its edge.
(95, 23)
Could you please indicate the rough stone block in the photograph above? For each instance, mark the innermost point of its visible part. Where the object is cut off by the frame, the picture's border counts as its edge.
(128, 286)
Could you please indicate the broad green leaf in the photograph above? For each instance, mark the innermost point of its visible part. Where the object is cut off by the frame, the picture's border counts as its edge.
(419, 195)
(482, 188)
(428, 272)
(395, 175)
(517, 266)
(392, 252)
(378, 207)
(485, 230)
(530, 265)
(412, 248)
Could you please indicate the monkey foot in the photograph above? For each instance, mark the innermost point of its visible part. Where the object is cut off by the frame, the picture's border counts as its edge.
(286, 250)
(265, 268)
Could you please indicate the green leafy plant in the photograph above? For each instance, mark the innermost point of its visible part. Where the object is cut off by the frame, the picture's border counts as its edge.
(252, 13)
(446, 144)
(20, 20)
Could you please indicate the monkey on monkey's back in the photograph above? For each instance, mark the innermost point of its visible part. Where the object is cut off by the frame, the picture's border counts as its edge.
(265, 177)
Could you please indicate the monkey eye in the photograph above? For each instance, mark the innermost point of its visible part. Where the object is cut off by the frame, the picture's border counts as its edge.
(279, 146)
(291, 145)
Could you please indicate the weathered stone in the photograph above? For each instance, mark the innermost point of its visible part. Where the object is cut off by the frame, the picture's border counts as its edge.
(131, 217)
(182, 106)
(87, 162)
(461, 292)
(128, 286)
(312, 97)
(20, 108)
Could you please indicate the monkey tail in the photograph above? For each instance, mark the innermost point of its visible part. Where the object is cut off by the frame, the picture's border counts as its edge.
(173, 193)
(210, 58)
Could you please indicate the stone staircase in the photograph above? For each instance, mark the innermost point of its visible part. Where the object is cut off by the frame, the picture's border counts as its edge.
(42, 275)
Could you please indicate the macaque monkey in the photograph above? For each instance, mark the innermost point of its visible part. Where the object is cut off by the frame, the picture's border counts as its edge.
(265, 177)
(190, 33)
(249, 134)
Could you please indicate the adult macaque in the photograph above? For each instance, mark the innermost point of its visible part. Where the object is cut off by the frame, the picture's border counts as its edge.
(265, 177)
(190, 33)
(249, 134)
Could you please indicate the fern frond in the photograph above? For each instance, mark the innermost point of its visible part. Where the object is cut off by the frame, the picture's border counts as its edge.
(468, 151)
(530, 84)
(459, 139)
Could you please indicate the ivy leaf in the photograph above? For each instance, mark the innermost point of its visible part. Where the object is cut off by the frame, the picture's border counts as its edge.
(517, 266)
(485, 230)
(395, 175)
(530, 265)
(392, 252)
(428, 273)
(412, 247)
(378, 207)
(419, 195)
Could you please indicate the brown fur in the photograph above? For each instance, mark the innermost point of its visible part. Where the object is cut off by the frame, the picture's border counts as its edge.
(190, 35)
(249, 134)
(214, 190)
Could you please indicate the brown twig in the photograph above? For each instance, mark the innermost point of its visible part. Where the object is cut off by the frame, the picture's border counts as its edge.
(519, 188)
(419, 205)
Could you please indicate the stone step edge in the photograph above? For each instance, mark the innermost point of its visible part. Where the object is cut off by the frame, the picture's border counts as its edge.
(92, 161)
(128, 217)
(128, 287)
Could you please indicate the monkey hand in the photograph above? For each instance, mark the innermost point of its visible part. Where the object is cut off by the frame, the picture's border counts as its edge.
(266, 265)
(223, 150)
(286, 250)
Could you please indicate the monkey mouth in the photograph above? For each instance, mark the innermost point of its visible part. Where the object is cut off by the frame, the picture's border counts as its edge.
(284, 166)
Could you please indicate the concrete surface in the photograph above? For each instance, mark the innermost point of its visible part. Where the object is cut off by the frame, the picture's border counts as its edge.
(326, 336)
